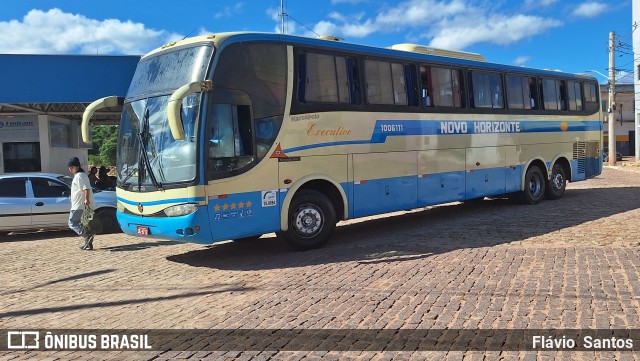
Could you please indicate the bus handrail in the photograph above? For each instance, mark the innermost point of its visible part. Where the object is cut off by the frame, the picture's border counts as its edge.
(106, 102)
(175, 105)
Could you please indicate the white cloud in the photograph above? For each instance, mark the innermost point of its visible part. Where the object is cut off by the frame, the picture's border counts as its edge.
(57, 32)
(534, 3)
(451, 24)
(461, 31)
(229, 11)
(521, 60)
(589, 9)
(335, 2)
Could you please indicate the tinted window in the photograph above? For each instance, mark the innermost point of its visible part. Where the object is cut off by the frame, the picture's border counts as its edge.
(325, 79)
(447, 86)
(259, 70)
(553, 94)
(14, 187)
(386, 82)
(574, 90)
(45, 188)
(591, 97)
(521, 92)
(487, 90)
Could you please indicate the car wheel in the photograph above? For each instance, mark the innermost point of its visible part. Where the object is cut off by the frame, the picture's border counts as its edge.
(105, 221)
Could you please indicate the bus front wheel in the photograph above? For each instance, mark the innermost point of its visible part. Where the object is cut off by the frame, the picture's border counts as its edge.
(534, 186)
(312, 219)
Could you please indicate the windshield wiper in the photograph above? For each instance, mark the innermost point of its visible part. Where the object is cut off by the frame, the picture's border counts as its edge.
(123, 183)
(143, 154)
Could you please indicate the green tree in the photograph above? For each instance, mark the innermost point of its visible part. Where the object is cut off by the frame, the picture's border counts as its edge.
(108, 152)
(105, 140)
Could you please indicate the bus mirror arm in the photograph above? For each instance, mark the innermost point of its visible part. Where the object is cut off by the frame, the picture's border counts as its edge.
(105, 102)
(174, 108)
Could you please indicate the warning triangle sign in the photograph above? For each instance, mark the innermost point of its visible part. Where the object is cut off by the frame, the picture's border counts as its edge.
(278, 153)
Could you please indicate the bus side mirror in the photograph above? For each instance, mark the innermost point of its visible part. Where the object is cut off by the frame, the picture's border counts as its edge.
(174, 108)
(105, 102)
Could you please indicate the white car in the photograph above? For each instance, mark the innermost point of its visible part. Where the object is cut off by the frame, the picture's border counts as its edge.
(41, 201)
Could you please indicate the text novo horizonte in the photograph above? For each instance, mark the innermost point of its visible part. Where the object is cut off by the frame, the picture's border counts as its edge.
(479, 127)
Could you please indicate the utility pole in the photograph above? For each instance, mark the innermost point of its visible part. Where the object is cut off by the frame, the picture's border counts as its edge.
(282, 16)
(612, 103)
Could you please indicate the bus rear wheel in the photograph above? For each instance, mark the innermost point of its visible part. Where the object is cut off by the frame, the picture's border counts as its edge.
(557, 184)
(312, 219)
(534, 186)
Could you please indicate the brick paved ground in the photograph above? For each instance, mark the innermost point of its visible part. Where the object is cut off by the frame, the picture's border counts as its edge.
(572, 263)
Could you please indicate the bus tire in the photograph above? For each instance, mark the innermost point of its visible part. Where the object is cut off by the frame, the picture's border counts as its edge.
(312, 219)
(534, 186)
(557, 184)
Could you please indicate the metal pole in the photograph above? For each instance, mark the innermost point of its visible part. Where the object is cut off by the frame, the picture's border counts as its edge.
(282, 16)
(612, 103)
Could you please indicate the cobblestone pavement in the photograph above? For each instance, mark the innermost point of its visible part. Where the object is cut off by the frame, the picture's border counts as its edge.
(572, 263)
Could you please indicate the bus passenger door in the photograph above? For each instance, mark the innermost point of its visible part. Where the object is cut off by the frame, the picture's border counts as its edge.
(243, 180)
(384, 182)
(486, 171)
(441, 176)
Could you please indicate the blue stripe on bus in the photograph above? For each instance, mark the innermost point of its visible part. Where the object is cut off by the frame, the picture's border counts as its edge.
(387, 128)
(252, 213)
(162, 201)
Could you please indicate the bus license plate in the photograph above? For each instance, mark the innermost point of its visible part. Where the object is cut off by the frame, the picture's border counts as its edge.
(142, 230)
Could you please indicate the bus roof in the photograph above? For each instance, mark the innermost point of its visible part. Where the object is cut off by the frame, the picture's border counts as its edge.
(406, 51)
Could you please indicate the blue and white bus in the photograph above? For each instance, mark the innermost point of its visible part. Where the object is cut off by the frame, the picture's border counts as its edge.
(234, 135)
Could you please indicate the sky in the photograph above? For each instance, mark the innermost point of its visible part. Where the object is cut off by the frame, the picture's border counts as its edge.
(565, 35)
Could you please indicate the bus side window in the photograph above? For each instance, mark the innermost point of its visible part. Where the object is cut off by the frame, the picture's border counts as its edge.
(533, 91)
(427, 91)
(412, 85)
(266, 132)
(230, 137)
(447, 87)
(574, 90)
(486, 89)
(353, 80)
(521, 92)
(562, 92)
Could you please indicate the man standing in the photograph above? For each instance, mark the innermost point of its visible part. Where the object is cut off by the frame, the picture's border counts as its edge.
(81, 197)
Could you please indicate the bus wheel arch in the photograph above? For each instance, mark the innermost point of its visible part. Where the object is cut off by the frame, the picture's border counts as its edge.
(309, 201)
(534, 182)
(557, 182)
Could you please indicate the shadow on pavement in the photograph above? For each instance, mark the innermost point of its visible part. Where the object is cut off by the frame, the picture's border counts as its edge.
(424, 233)
(61, 280)
(140, 246)
(37, 235)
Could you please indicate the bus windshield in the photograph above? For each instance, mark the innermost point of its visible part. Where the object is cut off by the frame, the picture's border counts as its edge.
(168, 71)
(148, 157)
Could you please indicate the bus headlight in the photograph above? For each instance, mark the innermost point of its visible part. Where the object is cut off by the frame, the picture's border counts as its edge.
(181, 210)
(120, 206)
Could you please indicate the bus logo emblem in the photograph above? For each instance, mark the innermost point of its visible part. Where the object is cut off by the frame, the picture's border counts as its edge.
(269, 199)
(140, 207)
